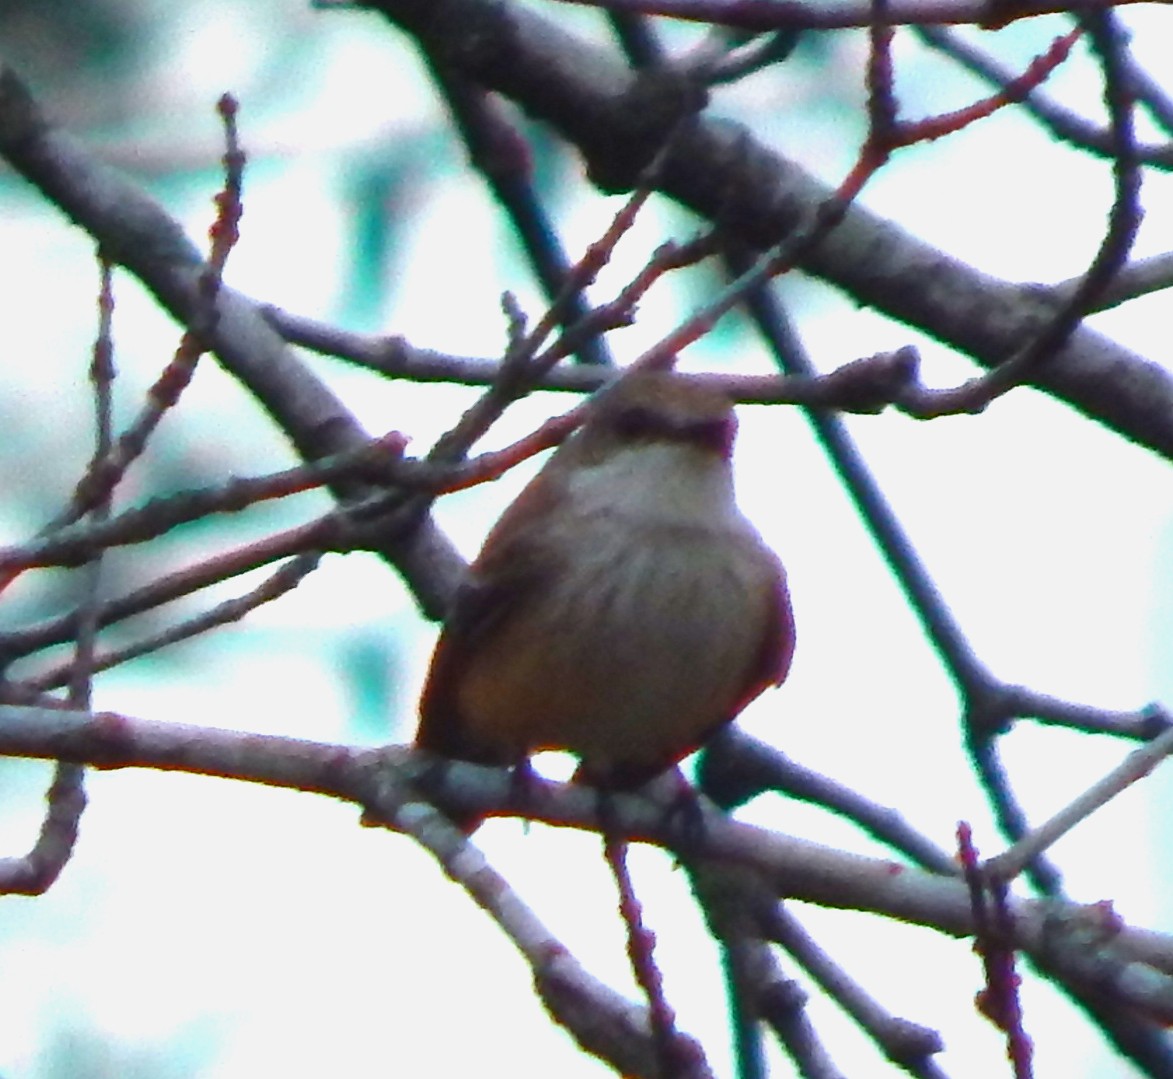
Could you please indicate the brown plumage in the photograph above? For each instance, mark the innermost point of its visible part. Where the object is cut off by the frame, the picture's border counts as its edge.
(622, 608)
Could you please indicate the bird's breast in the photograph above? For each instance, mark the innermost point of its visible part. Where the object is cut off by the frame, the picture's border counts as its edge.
(641, 642)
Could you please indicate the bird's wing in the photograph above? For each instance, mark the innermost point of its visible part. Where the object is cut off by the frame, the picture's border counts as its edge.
(510, 570)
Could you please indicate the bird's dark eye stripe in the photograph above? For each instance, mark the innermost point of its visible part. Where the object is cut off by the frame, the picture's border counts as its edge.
(637, 421)
(716, 433)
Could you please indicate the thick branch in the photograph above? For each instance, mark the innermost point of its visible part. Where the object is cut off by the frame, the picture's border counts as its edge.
(1084, 943)
(718, 169)
(136, 232)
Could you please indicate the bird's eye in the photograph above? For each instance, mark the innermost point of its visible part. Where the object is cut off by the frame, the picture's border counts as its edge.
(638, 422)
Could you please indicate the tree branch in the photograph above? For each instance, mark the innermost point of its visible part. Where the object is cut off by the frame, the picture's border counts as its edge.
(136, 232)
(720, 171)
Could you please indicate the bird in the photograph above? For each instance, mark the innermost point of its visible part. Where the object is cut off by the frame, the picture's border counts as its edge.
(622, 608)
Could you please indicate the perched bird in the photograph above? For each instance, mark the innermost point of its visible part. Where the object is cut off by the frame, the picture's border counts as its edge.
(622, 608)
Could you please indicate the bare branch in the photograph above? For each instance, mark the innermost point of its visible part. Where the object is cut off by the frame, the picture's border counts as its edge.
(136, 232)
(1138, 764)
(718, 170)
(765, 15)
(795, 867)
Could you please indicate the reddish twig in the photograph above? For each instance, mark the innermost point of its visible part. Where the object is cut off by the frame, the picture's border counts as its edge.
(1062, 123)
(641, 943)
(1015, 91)
(1124, 221)
(766, 15)
(994, 942)
(380, 459)
(106, 472)
(169, 386)
(519, 371)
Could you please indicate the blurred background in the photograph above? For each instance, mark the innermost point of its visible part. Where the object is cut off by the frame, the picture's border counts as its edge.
(207, 929)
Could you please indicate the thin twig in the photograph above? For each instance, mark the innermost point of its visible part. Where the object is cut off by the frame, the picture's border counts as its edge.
(908, 1045)
(1000, 1000)
(641, 943)
(1138, 764)
(284, 580)
(767, 15)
